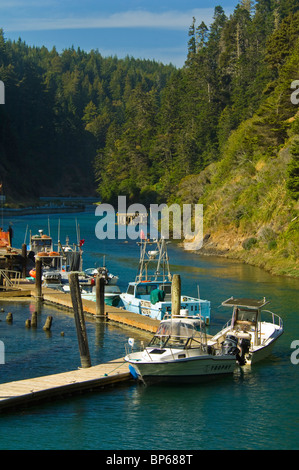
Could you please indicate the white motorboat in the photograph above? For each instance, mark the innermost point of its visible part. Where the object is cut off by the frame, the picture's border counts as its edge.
(110, 279)
(179, 352)
(150, 293)
(248, 329)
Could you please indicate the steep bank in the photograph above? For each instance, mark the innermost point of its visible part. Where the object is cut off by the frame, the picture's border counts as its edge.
(250, 197)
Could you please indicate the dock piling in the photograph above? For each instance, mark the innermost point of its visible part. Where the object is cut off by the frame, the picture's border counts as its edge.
(79, 320)
(34, 320)
(176, 295)
(9, 317)
(100, 293)
(38, 278)
(24, 259)
(48, 324)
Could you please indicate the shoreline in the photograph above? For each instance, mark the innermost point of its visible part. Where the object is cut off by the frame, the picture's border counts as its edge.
(257, 260)
(256, 256)
(41, 210)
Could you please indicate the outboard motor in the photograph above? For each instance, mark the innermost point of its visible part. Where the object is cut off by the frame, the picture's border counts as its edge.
(244, 346)
(230, 345)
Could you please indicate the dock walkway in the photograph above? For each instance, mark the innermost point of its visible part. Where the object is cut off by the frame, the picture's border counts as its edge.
(30, 391)
(63, 300)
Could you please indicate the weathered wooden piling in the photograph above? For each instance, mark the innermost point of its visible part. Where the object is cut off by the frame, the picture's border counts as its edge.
(48, 324)
(34, 320)
(9, 317)
(79, 320)
(38, 278)
(100, 297)
(24, 259)
(28, 323)
(176, 295)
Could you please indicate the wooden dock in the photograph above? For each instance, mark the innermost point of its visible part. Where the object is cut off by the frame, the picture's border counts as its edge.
(30, 391)
(40, 389)
(63, 300)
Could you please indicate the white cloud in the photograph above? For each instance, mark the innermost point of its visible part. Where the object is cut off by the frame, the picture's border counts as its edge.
(175, 20)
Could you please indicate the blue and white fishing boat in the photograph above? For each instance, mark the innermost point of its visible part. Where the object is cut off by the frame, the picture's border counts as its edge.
(150, 294)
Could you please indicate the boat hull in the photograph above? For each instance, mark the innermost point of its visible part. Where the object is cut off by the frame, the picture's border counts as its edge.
(112, 300)
(185, 370)
(260, 353)
(157, 311)
(257, 353)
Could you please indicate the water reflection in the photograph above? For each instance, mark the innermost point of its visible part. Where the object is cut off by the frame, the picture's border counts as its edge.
(256, 408)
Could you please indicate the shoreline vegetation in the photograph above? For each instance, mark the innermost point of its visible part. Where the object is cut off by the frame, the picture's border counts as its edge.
(21, 211)
(218, 243)
(222, 131)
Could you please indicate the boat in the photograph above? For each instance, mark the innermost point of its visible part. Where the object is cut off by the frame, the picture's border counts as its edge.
(150, 294)
(57, 265)
(248, 330)
(179, 353)
(40, 243)
(111, 295)
(5, 238)
(110, 279)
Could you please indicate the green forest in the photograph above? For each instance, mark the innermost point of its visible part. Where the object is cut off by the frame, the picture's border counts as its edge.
(221, 131)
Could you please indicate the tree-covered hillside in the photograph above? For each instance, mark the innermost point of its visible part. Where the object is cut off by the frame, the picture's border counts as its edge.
(222, 131)
(250, 194)
(229, 71)
(58, 109)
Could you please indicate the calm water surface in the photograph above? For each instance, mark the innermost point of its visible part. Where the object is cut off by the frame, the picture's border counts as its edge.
(257, 408)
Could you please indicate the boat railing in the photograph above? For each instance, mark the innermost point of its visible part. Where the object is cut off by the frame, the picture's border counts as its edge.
(161, 277)
(227, 324)
(276, 320)
(11, 278)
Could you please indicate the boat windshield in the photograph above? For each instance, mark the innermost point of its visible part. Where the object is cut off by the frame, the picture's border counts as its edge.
(244, 318)
(174, 333)
(145, 289)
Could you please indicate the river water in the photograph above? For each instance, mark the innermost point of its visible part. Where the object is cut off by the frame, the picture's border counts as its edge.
(255, 409)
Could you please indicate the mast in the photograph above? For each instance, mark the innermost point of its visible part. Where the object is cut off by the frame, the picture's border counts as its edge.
(149, 256)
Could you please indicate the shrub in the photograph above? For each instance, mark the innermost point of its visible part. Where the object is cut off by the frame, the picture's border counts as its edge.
(249, 243)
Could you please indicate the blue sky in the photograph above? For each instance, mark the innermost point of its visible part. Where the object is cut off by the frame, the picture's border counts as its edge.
(147, 29)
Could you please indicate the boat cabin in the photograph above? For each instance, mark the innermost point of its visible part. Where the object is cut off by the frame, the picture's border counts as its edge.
(41, 243)
(180, 332)
(145, 290)
(246, 317)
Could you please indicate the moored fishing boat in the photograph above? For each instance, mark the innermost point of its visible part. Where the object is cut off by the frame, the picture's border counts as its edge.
(248, 329)
(57, 265)
(150, 294)
(102, 271)
(179, 352)
(111, 295)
